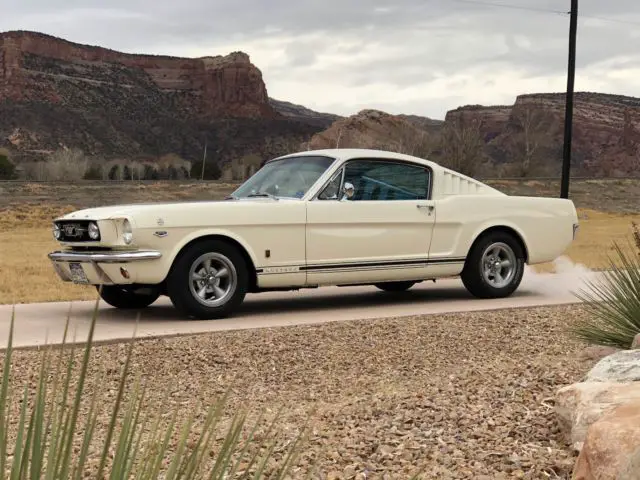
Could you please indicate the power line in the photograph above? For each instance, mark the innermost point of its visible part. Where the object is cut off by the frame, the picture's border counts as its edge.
(545, 10)
(615, 20)
(515, 7)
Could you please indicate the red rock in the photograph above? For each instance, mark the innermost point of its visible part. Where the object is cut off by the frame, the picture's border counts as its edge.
(374, 129)
(229, 85)
(606, 135)
(610, 444)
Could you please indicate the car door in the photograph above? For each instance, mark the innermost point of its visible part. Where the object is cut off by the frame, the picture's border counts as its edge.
(382, 233)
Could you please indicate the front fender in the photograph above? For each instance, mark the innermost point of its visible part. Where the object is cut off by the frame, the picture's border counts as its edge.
(207, 232)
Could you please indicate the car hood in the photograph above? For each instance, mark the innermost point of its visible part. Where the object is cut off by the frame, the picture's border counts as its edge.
(172, 212)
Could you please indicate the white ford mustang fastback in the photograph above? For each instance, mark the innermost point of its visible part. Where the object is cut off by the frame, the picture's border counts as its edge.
(310, 219)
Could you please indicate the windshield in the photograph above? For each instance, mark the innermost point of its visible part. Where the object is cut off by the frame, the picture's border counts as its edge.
(288, 177)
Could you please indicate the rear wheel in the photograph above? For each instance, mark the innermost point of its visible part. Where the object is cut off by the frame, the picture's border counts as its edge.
(395, 286)
(208, 280)
(128, 297)
(494, 267)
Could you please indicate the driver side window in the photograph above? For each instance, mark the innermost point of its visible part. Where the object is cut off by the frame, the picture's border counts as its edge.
(379, 180)
(387, 180)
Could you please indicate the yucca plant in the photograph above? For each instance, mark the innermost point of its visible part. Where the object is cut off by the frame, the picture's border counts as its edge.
(49, 441)
(613, 301)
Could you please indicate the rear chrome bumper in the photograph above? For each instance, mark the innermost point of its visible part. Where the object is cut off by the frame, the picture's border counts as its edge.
(104, 257)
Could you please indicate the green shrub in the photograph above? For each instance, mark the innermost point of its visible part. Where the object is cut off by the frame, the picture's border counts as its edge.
(51, 441)
(94, 172)
(7, 168)
(211, 170)
(613, 302)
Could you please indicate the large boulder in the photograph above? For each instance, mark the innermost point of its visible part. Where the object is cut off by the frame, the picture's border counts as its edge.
(611, 446)
(580, 405)
(631, 471)
(623, 366)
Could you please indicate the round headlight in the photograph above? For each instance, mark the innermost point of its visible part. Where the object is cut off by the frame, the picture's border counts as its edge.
(94, 231)
(127, 232)
(57, 233)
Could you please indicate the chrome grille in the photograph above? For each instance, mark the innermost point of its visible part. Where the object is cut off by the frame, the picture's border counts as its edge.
(74, 231)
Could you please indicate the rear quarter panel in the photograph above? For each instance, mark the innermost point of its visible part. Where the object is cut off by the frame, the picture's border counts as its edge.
(545, 225)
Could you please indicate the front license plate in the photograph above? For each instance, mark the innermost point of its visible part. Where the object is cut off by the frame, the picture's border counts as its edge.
(77, 273)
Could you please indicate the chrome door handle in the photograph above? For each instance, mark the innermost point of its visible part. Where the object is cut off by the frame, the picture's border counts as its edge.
(428, 207)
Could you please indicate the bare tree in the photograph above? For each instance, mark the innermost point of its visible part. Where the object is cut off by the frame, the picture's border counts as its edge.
(462, 145)
(338, 137)
(414, 141)
(63, 164)
(528, 141)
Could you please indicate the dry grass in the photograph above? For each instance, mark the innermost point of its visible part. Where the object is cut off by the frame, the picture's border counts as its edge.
(26, 274)
(594, 243)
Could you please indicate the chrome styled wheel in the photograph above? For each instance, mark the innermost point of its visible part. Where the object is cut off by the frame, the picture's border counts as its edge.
(213, 279)
(498, 264)
(494, 265)
(208, 279)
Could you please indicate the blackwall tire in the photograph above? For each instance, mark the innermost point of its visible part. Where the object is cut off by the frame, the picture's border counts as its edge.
(208, 280)
(126, 297)
(494, 266)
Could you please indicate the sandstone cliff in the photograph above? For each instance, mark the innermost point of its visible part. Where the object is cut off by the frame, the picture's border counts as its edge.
(58, 94)
(523, 139)
(606, 131)
(55, 93)
(36, 67)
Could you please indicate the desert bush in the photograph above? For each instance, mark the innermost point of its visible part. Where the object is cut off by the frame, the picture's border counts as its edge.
(53, 440)
(62, 164)
(211, 170)
(613, 302)
(172, 166)
(67, 164)
(7, 167)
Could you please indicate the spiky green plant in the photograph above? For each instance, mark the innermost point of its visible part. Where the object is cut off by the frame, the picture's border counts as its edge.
(48, 440)
(613, 301)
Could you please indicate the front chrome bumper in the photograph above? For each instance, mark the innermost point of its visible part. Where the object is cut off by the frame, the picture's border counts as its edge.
(99, 267)
(104, 257)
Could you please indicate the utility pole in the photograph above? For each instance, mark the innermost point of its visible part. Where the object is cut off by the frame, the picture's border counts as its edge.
(204, 158)
(568, 115)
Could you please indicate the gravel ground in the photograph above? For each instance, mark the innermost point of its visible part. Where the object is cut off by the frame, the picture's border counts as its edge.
(456, 396)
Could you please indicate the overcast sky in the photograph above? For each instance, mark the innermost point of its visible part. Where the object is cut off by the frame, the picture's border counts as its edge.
(402, 56)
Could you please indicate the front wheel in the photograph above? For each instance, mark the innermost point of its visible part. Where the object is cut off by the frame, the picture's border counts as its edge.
(127, 297)
(494, 267)
(208, 280)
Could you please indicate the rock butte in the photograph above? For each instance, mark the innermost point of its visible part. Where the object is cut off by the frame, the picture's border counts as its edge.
(59, 93)
(222, 85)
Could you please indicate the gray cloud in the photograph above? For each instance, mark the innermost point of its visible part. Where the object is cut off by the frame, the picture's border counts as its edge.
(411, 56)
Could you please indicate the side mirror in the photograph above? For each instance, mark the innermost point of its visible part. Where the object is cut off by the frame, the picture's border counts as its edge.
(348, 190)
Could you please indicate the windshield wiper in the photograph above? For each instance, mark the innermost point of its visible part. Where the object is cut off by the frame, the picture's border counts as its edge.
(261, 194)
